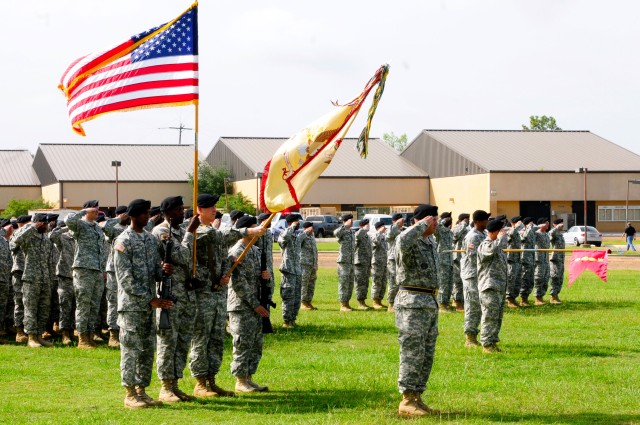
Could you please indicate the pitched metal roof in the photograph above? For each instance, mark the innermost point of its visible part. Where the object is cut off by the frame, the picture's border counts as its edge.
(16, 169)
(382, 160)
(92, 162)
(506, 150)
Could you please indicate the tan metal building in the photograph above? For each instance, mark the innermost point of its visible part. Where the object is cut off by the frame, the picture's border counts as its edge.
(17, 179)
(530, 173)
(72, 173)
(383, 180)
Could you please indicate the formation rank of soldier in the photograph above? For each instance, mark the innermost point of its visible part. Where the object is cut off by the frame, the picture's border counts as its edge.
(55, 276)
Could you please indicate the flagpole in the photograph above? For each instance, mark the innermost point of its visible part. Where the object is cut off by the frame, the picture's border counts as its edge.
(195, 180)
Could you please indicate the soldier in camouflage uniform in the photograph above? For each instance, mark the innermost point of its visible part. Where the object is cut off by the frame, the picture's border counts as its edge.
(53, 325)
(416, 309)
(138, 267)
(469, 274)
(513, 262)
(265, 244)
(459, 232)
(36, 293)
(492, 283)
(16, 278)
(87, 270)
(66, 245)
(379, 254)
(556, 261)
(345, 261)
(397, 221)
(309, 264)
(528, 237)
(444, 239)
(362, 264)
(541, 274)
(5, 270)
(291, 285)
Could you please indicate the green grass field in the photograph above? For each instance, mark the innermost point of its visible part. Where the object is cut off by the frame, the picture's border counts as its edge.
(322, 246)
(577, 363)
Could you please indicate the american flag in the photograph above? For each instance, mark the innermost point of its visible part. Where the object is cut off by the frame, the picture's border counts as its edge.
(158, 67)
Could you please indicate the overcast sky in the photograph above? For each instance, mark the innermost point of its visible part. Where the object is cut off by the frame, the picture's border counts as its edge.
(268, 68)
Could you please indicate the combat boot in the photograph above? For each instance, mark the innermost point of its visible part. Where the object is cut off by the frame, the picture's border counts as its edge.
(445, 308)
(363, 306)
(512, 303)
(44, 343)
(166, 392)
(202, 389)
(259, 388)
(132, 401)
(459, 305)
(288, 325)
(211, 380)
(90, 340)
(540, 301)
(243, 385)
(555, 299)
(524, 301)
(181, 394)
(471, 341)
(424, 405)
(390, 309)
(56, 328)
(47, 335)
(142, 395)
(97, 337)
(34, 342)
(345, 307)
(409, 405)
(66, 337)
(83, 342)
(377, 304)
(306, 305)
(491, 348)
(114, 338)
(21, 337)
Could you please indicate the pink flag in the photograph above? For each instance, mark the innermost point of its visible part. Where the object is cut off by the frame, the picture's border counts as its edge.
(595, 261)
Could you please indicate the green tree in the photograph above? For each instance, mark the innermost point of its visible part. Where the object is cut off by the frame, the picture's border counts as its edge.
(211, 180)
(237, 202)
(18, 207)
(397, 143)
(543, 123)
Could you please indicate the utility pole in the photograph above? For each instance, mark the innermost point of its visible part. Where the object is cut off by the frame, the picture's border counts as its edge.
(180, 129)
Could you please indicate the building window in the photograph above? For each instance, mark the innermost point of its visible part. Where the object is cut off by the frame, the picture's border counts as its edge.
(618, 213)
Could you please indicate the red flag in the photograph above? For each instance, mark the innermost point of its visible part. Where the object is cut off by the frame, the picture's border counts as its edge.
(596, 261)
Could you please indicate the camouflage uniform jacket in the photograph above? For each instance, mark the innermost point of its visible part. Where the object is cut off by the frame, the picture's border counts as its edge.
(362, 252)
(66, 245)
(290, 245)
(347, 244)
(37, 253)
(89, 242)
(542, 242)
(112, 229)
(528, 236)
(138, 268)
(6, 262)
(459, 232)
(209, 247)
(492, 264)
(245, 281)
(444, 238)
(416, 260)
(379, 248)
(16, 254)
(308, 250)
(392, 234)
(514, 242)
(469, 262)
(557, 242)
(181, 254)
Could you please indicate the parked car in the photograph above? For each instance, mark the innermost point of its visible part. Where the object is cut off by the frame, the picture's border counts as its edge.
(575, 236)
(375, 218)
(324, 225)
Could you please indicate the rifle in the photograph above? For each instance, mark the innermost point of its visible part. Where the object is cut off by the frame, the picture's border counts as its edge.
(265, 295)
(166, 286)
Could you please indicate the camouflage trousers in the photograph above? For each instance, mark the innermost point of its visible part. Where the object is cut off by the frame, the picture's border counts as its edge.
(137, 346)
(492, 303)
(345, 282)
(541, 278)
(4, 296)
(291, 294)
(417, 335)
(66, 301)
(111, 290)
(361, 273)
(457, 293)
(174, 344)
(54, 305)
(36, 296)
(557, 275)
(18, 308)
(246, 329)
(88, 286)
(393, 284)
(526, 273)
(8, 313)
(101, 322)
(445, 282)
(309, 277)
(378, 281)
(472, 313)
(514, 279)
(207, 343)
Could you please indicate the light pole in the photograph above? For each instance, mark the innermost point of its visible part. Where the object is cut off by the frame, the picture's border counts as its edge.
(626, 210)
(116, 164)
(584, 170)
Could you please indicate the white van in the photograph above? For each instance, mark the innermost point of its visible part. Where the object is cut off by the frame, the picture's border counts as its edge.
(375, 218)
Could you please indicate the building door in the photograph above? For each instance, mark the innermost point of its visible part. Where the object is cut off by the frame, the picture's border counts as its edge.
(577, 207)
(535, 209)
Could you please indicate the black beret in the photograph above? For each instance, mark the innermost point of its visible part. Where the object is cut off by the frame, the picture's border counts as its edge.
(445, 215)
(307, 224)
(100, 218)
(39, 218)
(121, 209)
(154, 211)
(379, 224)
(346, 217)
(527, 220)
(23, 219)
(246, 221)
(262, 217)
(516, 219)
(463, 216)
(494, 225)
(218, 214)
(188, 213)
(480, 215)
(235, 215)
(396, 216)
(424, 210)
(5, 222)
(90, 204)
(138, 207)
(207, 201)
(502, 217)
(170, 203)
(364, 222)
(558, 221)
(542, 220)
(292, 218)
(52, 217)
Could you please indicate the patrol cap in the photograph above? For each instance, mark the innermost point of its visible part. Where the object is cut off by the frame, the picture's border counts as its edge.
(480, 215)
(154, 211)
(364, 222)
(218, 214)
(516, 219)
(23, 219)
(445, 215)
(292, 218)
(558, 221)
(424, 210)
(39, 218)
(235, 214)
(52, 217)
(463, 216)
(121, 209)
(494, 225)
(527, 220)
(379, 225)
(90, 204)
(307, 224)
(207, 201)
(246, 221)
(262, 217)
(138, 207)
(346, 217)
(170, 203)
(396, 216)
(542, 220)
